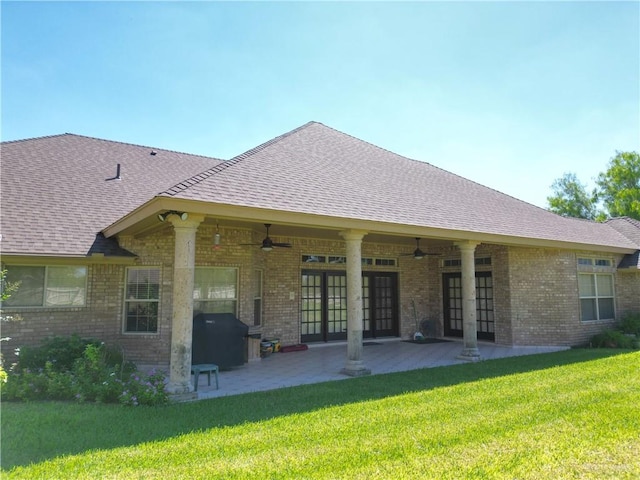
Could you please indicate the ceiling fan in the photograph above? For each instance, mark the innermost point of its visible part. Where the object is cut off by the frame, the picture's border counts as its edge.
(417, 253)
(268, 244)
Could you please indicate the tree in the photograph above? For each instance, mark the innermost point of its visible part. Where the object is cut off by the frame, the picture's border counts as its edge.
(571, 198)
(619, 186)
(618, 190)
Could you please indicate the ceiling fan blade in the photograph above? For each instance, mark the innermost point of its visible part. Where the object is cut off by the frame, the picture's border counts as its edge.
(285, 245)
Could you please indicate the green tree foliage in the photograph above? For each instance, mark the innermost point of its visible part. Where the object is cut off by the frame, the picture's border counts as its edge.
(618, 191)
(571, 198)
(619, 186)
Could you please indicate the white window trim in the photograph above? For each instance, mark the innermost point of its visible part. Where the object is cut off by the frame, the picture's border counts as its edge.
(44, 296)
(597, 297)
(125, 300)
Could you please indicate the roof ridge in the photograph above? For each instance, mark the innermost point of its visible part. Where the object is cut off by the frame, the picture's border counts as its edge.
(144, 146)
(629, 220)
(438, 168)
(626, 218)
(137, 145)
(189, 182)
(34, 138)
(274, 140)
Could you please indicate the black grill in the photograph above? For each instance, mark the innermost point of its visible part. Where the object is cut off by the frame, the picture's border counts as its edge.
(218, 338)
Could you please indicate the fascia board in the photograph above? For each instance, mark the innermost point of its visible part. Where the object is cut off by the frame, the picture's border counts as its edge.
(251, 214)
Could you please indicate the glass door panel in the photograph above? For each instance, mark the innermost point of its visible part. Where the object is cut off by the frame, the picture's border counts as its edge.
(311, 297)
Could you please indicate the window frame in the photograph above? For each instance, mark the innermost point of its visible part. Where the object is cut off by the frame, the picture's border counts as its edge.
(127, 300)
(46, 286)
(596, 297)
(258, 296)
(236, 299)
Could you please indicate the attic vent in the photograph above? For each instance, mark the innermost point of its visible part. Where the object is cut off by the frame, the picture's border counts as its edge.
(117, 177)
(152, 153)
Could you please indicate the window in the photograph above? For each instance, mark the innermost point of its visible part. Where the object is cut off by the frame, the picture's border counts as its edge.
(337, 259)
(340, 260)
(483, 261)
(314, 259)
(596, 296)
(257, 297)
(215, 290)
(452, 262)
(598, 262)
(48, 286)
(142, 298)
(386, 262)
(457, 262)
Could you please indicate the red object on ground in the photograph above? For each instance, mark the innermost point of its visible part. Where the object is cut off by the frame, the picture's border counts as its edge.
(294, 348)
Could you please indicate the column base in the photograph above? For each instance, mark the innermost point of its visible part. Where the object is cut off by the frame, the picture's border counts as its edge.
(470, 355)
(355, 369)
(183, 397)
(179, 388)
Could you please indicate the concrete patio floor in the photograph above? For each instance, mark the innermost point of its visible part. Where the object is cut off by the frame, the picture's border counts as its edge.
(323, 362)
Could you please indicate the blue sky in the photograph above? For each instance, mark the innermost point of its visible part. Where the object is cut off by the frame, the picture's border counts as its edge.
(508, 94)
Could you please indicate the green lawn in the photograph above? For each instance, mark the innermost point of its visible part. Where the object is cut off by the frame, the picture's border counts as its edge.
(573, 414)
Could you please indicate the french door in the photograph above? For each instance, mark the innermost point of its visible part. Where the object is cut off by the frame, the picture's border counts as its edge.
(324, 305)
(452, 296)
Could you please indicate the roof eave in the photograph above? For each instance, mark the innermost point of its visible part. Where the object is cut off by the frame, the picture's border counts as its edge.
(133, 220)
(25, 258)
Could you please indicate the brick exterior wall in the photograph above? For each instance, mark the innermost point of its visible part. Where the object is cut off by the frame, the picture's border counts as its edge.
(544, 306)
(535, 292)
(545, 303)
(628, 292)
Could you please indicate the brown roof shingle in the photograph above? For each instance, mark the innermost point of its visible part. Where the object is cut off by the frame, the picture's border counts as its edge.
(315, 169)
(59, 192)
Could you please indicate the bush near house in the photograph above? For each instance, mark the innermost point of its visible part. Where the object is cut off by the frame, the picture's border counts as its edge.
(84, 370)
(625, 335)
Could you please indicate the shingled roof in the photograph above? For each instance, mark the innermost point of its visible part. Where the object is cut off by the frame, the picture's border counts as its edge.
(317, 170)
(59, 192)
(630, 228)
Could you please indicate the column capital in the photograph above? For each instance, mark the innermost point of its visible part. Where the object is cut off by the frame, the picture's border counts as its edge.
(466, 244)
(353, 234)
(193, 220)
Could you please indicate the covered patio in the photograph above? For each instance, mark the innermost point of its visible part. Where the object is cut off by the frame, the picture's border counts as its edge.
(324, 362)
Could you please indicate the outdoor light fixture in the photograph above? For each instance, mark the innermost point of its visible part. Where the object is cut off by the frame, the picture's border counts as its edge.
(163, 216)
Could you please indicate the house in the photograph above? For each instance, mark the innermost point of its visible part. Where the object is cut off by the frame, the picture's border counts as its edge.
(313, 236)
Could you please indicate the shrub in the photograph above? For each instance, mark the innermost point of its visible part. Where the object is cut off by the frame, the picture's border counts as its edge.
(611, 338)
(145, 390)
(630, 324)
(53, 373)
(62, 353)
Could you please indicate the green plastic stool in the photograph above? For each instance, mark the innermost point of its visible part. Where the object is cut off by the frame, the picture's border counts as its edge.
(204, 368)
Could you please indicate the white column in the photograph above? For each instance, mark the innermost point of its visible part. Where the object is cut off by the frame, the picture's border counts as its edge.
(470, 351)
(355, 366)
(182, 319)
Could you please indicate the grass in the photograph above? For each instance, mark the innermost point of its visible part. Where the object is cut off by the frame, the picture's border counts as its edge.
(573, 414)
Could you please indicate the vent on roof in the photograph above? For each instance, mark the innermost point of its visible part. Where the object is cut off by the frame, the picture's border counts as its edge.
(117, 177)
